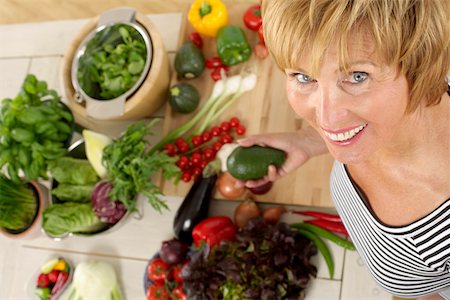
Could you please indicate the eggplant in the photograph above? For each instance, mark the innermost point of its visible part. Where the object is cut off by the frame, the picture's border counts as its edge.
(194, 207)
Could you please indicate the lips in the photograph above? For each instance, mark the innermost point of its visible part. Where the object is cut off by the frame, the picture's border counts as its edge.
(344, 136)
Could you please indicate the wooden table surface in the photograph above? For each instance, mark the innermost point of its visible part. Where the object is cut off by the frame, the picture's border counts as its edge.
(38, 48)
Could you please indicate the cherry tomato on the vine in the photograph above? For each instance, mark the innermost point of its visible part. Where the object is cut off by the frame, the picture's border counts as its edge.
(158, 271)
(197, 140)
(240, 130)
(186, 176)
(226, 139)
(206, 137)
(216, 131)
(234, 122)
(157, 292)
(178, 294)
(225, 126)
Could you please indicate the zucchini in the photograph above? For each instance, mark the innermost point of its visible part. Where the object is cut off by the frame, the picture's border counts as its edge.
(183, 97)
(248, 163)
(189, 61)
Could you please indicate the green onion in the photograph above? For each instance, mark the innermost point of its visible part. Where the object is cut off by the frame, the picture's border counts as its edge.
(18, 204)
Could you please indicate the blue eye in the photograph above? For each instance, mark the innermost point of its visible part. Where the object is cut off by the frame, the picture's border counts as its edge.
(358, 77)
(303, 78)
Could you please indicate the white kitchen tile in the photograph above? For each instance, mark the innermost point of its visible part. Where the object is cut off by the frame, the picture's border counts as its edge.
(48, 69)
(357, 283)
(129, 272)
(322, 289)
(54, 37)
(12, 74)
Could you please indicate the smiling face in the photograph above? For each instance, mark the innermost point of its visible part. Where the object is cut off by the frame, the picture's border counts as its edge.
(358, 112)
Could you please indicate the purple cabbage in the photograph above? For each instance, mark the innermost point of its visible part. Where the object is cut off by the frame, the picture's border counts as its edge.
(107, 210)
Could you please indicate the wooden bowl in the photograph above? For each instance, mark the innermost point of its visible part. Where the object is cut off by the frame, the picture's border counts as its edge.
(144, 102)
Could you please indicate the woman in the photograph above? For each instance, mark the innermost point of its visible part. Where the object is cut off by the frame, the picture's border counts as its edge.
(370, 77)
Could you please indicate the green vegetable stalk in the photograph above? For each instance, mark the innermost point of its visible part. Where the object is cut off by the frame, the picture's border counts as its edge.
(18, 205)
(232, 45)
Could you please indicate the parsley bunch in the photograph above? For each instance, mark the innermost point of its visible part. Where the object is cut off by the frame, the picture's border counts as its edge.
(130, 167)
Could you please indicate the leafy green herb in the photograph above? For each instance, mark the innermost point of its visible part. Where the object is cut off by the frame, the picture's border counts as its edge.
(112, 62)
(130, 167)
(34, 129)
(17, 204)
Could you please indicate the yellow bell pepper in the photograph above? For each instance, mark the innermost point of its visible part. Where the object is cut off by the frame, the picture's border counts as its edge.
(208, 16)
(60, 265)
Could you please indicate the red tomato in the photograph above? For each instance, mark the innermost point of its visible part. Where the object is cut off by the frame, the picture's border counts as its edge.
(252, 17)
(53, 275)
(178, 294)
(158, 271)
(195, 38)
(176, 272)
(43, 281)
(157, 292)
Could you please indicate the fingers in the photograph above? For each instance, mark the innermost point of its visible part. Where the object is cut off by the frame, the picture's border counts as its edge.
(272, 175)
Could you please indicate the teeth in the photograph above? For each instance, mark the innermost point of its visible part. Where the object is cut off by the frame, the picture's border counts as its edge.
(343, 136)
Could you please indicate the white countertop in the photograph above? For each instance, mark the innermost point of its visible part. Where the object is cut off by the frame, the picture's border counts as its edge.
(38, 48)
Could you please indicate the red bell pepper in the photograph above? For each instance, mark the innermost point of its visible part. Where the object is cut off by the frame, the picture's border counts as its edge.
(252, 17)
(318, 215)
(336, 227)
(213, 230)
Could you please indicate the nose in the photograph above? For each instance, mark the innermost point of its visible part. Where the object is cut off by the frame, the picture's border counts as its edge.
(331, 106)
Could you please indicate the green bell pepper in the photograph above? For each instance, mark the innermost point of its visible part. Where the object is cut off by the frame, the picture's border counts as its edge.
(232, 45)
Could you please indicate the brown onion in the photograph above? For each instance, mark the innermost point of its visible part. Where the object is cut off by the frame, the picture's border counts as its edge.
(226, 185)
(272, 215)
(244, 212)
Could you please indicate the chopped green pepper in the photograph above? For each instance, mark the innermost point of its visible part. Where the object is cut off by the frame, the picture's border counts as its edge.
(232, 45)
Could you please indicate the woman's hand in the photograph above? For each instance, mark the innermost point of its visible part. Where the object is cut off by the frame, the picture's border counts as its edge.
(299, 147)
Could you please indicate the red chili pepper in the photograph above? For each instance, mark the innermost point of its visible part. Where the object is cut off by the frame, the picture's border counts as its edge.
(195, 38)
(213, 230)
(261, 35)
(252, 17)
(319, 215)
(336, 227)
(214, 62)
(60, 281)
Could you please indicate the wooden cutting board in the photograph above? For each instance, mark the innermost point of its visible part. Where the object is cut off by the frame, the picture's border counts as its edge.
(262, 110)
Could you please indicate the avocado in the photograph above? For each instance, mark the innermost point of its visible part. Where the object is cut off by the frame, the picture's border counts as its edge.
(189, 61)
(248, 163)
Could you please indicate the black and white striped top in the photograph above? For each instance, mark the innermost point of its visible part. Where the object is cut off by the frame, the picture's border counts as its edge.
(408, 261)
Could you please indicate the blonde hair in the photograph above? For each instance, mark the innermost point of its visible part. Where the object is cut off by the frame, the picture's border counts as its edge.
(411, 34)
